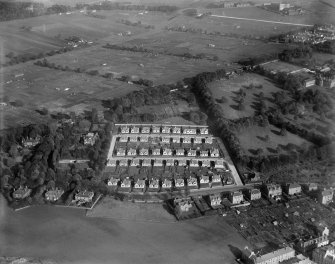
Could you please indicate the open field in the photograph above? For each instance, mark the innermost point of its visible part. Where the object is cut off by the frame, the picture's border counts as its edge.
(160, 69)
(116, 209)
(229, 89)
(253, 138)
(46, 33)
(63, 233)
(226, 48)
(56, 90)
(280, 66)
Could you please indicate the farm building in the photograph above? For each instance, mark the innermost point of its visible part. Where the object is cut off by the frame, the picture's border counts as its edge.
(236, 197)
(84, 196)
(192, 183)
(54, 194)
(113, 181)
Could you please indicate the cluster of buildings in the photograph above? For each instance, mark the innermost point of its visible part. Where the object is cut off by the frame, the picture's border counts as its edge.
(30, 142)
(318, 34)
(229, 4)
(90, 138)
(284, 8)
(211, 180)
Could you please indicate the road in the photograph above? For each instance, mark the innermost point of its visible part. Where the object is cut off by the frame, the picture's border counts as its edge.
(264, 21)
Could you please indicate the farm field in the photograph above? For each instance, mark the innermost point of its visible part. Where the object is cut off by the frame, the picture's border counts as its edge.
(227, 49)
(254, 138)
(161, 69)
(229, 90)
(38, 87)
(46, 33)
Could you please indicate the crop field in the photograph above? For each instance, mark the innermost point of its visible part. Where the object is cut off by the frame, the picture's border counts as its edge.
(46, 33)
(56, 90)
(279, 66)
(160, 69)
(226, 48)
(254, 138)
(229, 90)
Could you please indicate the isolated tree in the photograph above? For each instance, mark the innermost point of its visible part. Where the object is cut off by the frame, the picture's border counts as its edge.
(283, 131)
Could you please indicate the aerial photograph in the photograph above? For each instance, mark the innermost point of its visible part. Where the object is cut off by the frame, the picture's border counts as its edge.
(167, 131)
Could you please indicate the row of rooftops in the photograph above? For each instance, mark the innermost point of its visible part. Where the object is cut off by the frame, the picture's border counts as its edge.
(163, 129)
(166, 139)
(192, 181)
(219, 163)
(214, 153)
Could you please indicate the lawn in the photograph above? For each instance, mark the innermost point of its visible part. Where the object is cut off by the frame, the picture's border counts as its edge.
(254, 137)
(229, 89)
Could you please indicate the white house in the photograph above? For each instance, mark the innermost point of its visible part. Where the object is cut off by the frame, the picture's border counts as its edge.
(167, 184)
(192, 183)
(123, 138)
(131, 152)
(158, 163)
(176, 139)
(145, 130)
(208, 140)
(144, 152)
(176, 130)
(113, 181)
(146, 163)
(167, 152)
(215, 153)
(135, 130)
(133, 139)
(192, 153)
(120, 152)
(156, 130)
(189, 131)
(203, 153)
(144, 138)
(197, 140)
(236, 197)
(215, 200)
(165, 139)
(166, 130)
(180, 152)
(204, 181)
(156, 152)
(124, 130)
(169, 162)
(179, 183)
(194, 163)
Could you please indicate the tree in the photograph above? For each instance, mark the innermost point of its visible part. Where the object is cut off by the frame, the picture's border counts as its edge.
(283, 131)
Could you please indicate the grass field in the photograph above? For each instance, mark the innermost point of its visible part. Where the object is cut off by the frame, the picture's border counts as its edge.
(160, 69)
(229, 89)
(56, 90)
(227, 49)
(254, 137)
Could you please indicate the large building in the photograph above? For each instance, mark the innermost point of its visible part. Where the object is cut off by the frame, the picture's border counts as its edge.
(273, 257)
(310, 243)
(324, 255)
